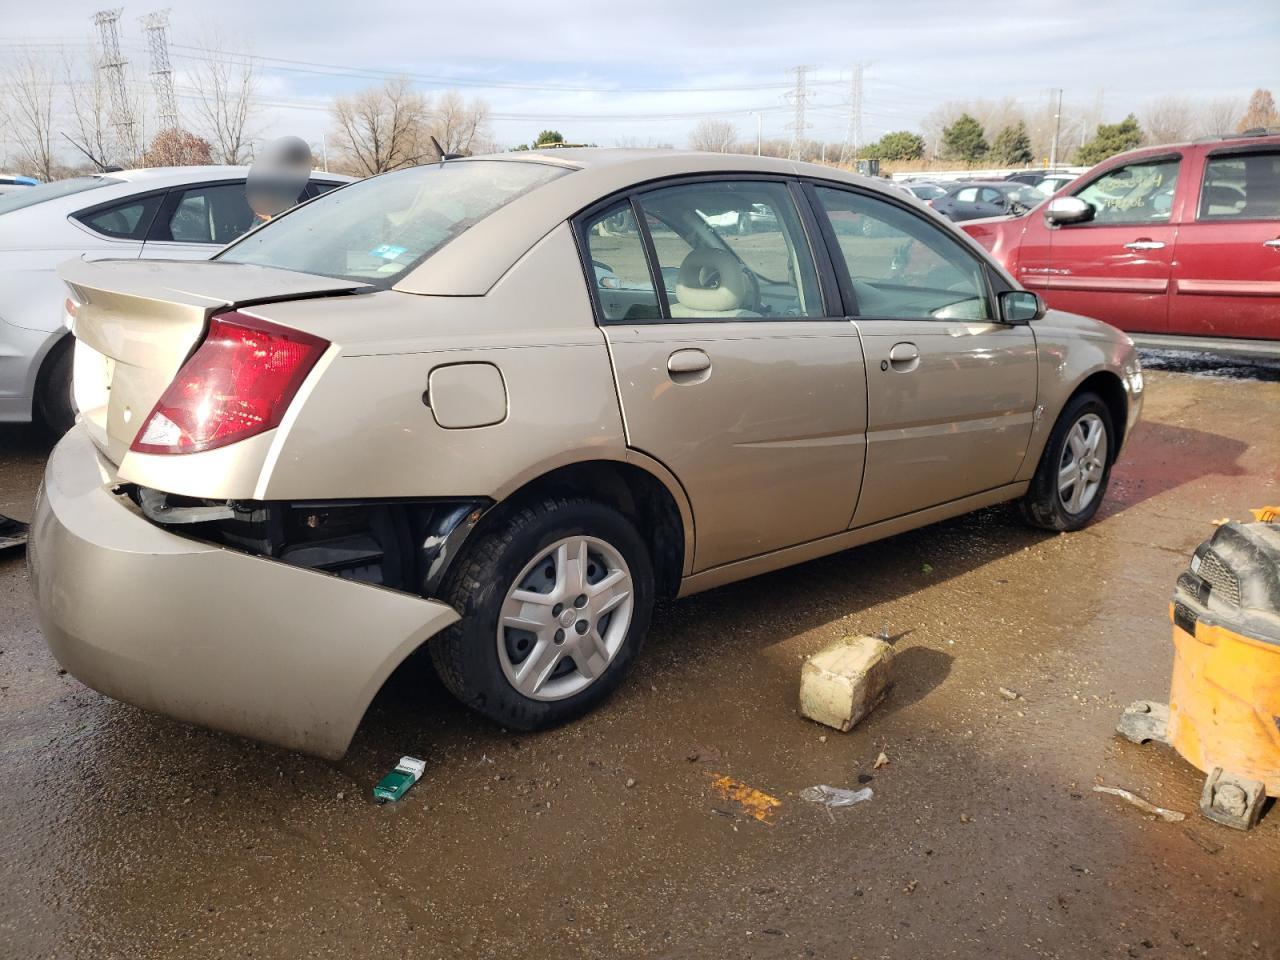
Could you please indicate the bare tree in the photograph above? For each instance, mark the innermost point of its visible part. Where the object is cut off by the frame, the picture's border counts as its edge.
(90, 108)
(1261, 112)
(458, 125)
(717, 136)
(1168, 120)
(382, 128)
(1219, 117)
(225, 102)
(30, 83)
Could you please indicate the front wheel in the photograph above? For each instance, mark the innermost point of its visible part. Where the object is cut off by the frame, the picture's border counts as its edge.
(1074, 469)
(555, 603)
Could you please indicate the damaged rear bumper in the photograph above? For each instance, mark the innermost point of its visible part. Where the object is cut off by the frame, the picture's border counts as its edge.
(203, 633)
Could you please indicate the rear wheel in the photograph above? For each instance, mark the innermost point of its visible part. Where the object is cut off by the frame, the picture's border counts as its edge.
(1074, 469)
(555, 604)
(55, 407)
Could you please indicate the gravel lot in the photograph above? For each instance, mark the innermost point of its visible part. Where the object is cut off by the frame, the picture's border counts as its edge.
(129, 835)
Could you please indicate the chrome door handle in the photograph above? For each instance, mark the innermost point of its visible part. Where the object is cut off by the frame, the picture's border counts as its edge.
(1273, 244)
(683, 363)
(1145, 245)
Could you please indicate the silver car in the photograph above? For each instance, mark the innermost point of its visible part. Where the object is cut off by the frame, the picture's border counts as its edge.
(183, 213)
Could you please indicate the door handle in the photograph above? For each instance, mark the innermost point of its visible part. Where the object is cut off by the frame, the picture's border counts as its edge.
(904, 357)
(1145, 244)
(1273, 244)
(684, 366)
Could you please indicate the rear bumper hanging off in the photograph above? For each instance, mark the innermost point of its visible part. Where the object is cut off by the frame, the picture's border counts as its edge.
(204, 633)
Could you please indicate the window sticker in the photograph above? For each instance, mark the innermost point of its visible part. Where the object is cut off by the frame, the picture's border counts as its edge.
(387, 251)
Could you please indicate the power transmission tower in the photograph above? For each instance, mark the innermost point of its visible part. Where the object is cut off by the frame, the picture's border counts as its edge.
(112, 66)
(853, 131)
(157, 27)
(799, 97)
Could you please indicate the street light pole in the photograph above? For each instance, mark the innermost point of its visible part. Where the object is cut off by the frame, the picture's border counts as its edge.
(1057, 128)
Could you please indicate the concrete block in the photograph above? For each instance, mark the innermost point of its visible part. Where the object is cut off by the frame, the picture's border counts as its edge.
(843, 682)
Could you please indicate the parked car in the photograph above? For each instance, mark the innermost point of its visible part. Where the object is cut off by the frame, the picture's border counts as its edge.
(12, 182)
(988, 198)
(1178, 243)
(922, 189)
(498, 406)
(170, 212)
(1051, 183)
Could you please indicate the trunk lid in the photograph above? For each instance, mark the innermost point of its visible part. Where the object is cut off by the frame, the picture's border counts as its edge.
(138, 321)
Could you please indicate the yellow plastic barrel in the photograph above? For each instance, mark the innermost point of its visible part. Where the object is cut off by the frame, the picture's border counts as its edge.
(1224, 703)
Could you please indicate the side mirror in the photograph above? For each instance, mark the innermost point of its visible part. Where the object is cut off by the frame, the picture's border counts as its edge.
(1064, 210)
(1020, 306)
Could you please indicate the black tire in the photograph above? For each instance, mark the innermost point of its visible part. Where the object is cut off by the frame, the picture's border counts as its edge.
(1043, 505)
(55, 408)
(466, 654)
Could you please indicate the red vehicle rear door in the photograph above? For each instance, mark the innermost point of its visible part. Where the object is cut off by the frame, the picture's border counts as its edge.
(1226, 274)
(1116, 267)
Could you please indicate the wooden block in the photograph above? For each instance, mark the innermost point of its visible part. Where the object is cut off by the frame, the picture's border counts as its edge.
(841, 683)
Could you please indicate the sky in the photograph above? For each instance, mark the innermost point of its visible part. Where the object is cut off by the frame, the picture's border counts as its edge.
(645, 73)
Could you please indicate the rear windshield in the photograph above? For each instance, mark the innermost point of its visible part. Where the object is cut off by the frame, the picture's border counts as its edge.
(51, 191)
(374, 230)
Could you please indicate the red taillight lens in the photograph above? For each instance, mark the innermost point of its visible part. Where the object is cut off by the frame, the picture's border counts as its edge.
(238, 383)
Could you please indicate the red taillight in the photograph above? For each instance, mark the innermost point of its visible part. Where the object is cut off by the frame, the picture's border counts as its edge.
(238, 383)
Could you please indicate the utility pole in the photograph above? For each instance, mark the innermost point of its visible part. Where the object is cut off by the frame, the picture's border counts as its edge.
(156, 26)
(1057, 129)
(799, 97)
(112, 66)
(759, 128)
(853, 130)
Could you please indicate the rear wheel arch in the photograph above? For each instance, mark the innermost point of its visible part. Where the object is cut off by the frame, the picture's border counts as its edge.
(660, 515)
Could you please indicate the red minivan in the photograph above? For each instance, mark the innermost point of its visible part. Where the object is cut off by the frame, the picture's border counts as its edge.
(1178, 242)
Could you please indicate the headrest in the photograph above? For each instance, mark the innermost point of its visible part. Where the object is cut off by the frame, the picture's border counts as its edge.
(711, 279)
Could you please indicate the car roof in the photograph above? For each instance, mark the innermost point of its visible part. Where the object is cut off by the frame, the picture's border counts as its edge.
(1229, 142)
(169, 176)
(474, 261)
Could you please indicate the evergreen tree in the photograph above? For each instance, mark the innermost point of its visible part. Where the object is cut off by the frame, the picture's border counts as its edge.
(964, 140)
(1012, 146)
(1111, 138)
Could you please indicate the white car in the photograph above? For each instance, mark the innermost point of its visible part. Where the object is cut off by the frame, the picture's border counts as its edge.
(173, 213)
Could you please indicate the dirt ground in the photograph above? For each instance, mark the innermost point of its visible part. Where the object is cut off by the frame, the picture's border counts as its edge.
(129, 835)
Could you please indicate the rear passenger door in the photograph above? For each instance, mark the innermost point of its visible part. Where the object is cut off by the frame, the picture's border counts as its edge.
(734, 364)
(950, 390)
(1226, 271)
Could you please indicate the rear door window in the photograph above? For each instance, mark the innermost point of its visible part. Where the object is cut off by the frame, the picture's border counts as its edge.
(1139, 192)
(902, 266)
(732, 250)
(126, 220)
(1242, 186)
(213, 214)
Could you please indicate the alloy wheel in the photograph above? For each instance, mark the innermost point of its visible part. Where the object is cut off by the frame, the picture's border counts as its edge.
(565, 618)
(1083, 463)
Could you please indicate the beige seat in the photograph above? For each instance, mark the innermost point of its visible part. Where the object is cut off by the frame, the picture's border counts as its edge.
(711, 283)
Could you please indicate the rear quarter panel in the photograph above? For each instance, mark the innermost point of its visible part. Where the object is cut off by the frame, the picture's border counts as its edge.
(364, 429)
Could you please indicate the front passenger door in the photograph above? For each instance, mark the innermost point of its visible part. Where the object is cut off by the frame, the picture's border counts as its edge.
(950, 390)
